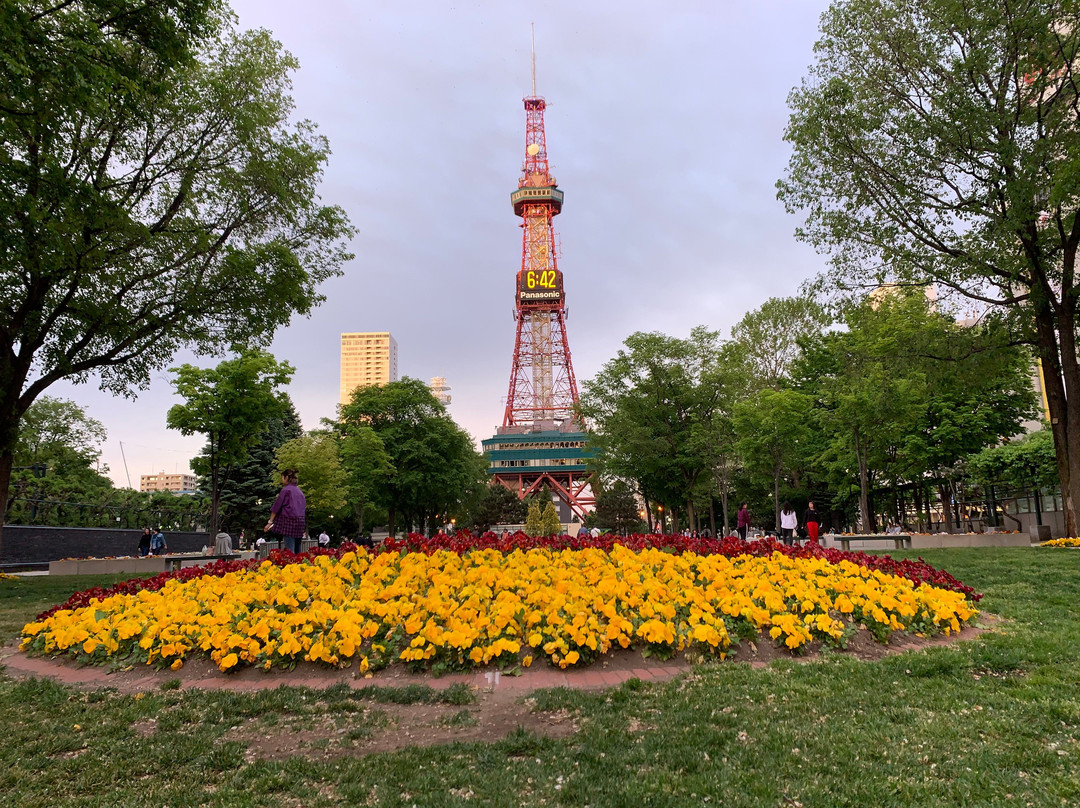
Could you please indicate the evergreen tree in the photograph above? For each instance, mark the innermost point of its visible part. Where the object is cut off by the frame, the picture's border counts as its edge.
(497, 504)
(617, 510)
(250, 490)
(533, 521)
(549, 521)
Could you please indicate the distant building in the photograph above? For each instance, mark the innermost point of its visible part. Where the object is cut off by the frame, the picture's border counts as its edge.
(367, 358)
(175, 483)
(440, 389)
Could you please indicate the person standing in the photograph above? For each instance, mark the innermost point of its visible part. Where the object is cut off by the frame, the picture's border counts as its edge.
(742, 521)
(157, 543)
(812, 521)
(144, 541)
(288, 513)
(324, 539)
(788, 522)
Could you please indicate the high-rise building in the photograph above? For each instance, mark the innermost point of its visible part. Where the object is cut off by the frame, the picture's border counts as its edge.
(176, 483)
(367, 358)
(440, 389)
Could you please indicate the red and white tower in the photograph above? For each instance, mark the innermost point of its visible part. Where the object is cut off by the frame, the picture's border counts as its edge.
(542, 384)
(541, 442)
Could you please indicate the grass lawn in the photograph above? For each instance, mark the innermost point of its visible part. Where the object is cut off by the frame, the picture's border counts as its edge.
(991, 722)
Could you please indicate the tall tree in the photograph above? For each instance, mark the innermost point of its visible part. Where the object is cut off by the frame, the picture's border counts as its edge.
(938, 142)
(774, 436)
(249, 489)
(158, 193)
(435, 463)
(497, 504)
(617, 510)
(367, 467)
(322, 478)
(653, 413)
(231, 405)
(1025, 464)
(906, 392)
(58, 432)
(767, 339)
(56, 459)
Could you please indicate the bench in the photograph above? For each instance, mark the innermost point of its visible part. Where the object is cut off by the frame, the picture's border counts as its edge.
(173, 563)
(899, 540)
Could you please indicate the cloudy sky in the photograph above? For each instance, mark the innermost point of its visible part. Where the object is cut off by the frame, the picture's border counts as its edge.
(664, 130)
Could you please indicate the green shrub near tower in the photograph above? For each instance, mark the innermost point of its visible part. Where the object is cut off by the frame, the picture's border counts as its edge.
(549, 522)
(534, 525)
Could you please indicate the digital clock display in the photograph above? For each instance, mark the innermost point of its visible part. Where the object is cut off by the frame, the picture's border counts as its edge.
(539, 286)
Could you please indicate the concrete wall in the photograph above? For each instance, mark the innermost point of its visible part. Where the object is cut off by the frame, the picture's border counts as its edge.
(24, 544)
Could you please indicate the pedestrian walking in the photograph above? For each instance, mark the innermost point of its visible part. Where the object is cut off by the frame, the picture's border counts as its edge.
(157, 543)
(144, 541)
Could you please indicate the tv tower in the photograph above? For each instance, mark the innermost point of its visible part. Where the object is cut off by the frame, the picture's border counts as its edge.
(541, 442)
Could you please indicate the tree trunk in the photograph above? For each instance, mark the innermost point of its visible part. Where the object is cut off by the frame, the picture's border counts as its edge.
(7, 460)
(865, 525)
(391, 526)
(360, 520)
(215, 499)
(1061, 384)
(776, 500)
(946, 507)
(724, 506)
(712, 516)
(649, 516)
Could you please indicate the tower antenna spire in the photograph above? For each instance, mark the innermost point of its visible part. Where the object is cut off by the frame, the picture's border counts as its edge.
(532, 28)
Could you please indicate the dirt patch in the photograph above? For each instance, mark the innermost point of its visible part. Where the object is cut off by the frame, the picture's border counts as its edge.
(388, 727)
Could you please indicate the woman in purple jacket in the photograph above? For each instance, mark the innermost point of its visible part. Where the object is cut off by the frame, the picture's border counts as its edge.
(287, 515)
(742, 521)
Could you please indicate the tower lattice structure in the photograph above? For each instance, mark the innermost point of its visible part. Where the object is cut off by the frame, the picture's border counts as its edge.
(541, 442)
(543, 389)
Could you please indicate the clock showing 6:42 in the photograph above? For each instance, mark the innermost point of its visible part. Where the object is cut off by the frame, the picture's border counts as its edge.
(540, 285)
(545, 279)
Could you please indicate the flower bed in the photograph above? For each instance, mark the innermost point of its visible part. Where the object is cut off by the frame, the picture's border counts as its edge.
(1069, 542)
(448, 609)
(917, 571)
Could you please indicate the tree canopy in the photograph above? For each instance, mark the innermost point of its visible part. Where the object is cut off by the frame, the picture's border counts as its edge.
(653, 412)
(230, 404)
(938, 143)
(158, 193)
(433, 463)
(249, 489)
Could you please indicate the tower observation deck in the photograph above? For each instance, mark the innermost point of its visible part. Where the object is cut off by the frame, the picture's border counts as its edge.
(541, 441)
